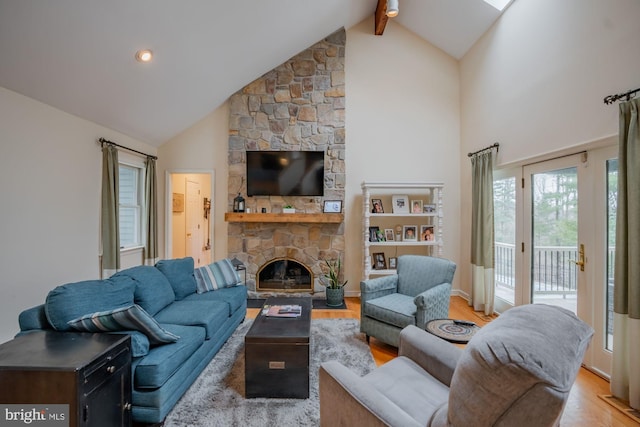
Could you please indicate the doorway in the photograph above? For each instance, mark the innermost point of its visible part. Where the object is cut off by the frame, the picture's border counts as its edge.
(189, 231)
(555, 229)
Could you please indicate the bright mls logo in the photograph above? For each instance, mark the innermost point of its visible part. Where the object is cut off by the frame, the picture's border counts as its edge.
(38, 415)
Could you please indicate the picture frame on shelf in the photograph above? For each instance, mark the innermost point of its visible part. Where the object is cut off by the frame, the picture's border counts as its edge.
(389, 234)
(409, 233)
(427, 233)
(379, 262)
(400, 204)
(393, 262)
(416, 206)
(373, 234)
(429, 208)
(332, 206)
(377, 206)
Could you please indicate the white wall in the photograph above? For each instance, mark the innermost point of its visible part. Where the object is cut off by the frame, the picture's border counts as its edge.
(402, 123)
(536, 82)
(50, 179)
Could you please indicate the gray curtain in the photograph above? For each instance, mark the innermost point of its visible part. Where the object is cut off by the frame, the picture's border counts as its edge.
(482, 237)
(110, 231)
(625, 374)
(151, 204)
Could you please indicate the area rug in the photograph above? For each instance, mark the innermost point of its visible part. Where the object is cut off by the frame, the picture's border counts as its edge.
(216, 398)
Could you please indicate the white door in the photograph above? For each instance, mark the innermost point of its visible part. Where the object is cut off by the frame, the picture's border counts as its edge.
(194, 214)
(562, 250)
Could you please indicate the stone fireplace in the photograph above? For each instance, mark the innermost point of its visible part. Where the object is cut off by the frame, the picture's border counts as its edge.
(284, 275)
(299, 105)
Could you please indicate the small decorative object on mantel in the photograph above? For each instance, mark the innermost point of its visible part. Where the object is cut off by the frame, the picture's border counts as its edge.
(238, 203)
(288, 209)
(333, 284)
(332, 206)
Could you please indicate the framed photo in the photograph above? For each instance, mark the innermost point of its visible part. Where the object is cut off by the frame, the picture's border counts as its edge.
(393, 263)
(332, 206)
(400, 203)
(377, 206)
(429, 208)
(379, 262)
(373, 234)
(388, 234)
(410, 233)
(427, 233)
(416, 206)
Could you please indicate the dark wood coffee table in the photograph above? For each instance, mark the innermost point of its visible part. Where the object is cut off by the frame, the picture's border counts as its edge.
(276, 352)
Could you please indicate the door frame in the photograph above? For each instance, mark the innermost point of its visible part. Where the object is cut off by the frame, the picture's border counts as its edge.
(168, 223)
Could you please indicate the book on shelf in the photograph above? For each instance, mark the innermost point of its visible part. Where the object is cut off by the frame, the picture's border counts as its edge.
(282, 311)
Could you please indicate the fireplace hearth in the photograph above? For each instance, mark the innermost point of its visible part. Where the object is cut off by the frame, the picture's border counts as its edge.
(284, 275)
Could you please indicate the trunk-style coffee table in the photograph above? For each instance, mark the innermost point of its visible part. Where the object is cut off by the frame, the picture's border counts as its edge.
(276, 352)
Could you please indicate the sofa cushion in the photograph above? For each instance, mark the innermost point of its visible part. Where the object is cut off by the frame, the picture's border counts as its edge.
(208, 314)
(396, 309)
(153, 291)
(153, 370)
(124, 318)
(219, 274)
(179, 272)
(70, 301)
(235, 297)
(139, 342)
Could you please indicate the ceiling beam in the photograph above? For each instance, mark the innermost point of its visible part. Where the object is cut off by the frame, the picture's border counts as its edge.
(381, 17)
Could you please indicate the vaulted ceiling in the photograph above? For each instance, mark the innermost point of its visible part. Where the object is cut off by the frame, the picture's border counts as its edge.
(78, 55)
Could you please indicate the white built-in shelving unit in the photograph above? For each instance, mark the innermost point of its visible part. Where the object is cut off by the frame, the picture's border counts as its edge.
(428, 194)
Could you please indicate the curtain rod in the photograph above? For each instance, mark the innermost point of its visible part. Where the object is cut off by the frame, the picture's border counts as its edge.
(495, 145)
(103, 141)
(628, 94)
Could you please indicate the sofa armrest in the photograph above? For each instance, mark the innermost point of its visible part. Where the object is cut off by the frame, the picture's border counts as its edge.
(378, 287)
(432, 304)
(435, 355)
(33, 318)
(349, 400)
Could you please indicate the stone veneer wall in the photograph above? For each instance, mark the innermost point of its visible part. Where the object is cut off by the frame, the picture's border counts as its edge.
(299, 105)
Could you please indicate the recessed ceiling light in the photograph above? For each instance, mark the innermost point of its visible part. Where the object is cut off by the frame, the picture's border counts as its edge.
(144, 55)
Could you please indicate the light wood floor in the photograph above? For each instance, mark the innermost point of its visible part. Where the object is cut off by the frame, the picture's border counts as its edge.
(584, 407)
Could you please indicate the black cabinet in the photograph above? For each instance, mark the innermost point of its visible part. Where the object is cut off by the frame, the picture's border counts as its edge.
(89, 372)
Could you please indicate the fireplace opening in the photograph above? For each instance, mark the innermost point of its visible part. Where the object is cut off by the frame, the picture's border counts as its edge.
(284, 274)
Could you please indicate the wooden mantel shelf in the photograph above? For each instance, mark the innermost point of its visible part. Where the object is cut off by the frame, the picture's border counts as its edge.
(325, 218)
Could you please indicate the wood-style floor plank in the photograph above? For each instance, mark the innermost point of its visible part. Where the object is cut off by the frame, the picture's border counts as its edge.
(584, 407)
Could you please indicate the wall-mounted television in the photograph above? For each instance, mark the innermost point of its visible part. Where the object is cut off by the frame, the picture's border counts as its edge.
(285, 173)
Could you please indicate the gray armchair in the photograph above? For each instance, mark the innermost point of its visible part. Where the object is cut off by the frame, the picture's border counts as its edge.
(516, 371)
(418, 293)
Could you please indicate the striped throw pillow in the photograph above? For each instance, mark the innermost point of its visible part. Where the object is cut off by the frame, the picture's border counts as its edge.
(131, 318)
(220, 274)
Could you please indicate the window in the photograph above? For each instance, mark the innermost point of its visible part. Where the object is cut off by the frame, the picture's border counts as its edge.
(131, 205)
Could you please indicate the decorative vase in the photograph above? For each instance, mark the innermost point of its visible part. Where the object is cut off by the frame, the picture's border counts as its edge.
(289, 210)
(335, 296)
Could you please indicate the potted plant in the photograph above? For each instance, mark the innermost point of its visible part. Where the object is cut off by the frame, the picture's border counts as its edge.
(333, 284)
(288, 209)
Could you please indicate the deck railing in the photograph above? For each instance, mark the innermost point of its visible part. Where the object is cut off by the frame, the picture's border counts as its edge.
(554, 269)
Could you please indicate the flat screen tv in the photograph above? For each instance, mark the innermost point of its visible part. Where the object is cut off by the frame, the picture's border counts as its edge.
(285, 173)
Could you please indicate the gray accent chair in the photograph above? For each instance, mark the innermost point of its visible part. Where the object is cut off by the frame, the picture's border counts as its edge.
(516, 371)
(418, 293)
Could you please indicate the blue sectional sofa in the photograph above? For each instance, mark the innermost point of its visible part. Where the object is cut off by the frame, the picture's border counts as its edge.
(178, 319)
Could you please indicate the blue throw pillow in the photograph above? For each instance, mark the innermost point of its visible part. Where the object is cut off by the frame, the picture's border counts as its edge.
(73, 300)
(153, 291)
(125, 318)
(220, 274)
(179, 272)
